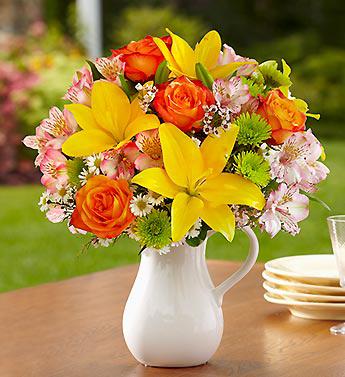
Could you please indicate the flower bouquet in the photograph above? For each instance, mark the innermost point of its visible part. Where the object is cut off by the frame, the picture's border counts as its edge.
(163, 143)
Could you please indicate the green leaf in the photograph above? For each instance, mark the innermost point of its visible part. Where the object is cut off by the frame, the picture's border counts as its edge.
(74, 168)
(162, 73)
(317, 200)
(127, 86)
(204, 75)
(96, 75)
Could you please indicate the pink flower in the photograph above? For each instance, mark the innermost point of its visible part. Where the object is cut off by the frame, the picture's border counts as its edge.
(151, 151)
(60, 124)
(229, 56)
(56, 214)
(54, 168)
(111, 68)
(231, 93)
(285, 207)
(52, 132)
(80, 90)
(296, 161)
(119, 163)
(39, 142)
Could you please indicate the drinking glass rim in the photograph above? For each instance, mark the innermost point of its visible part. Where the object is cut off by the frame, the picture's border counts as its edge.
(340, 218)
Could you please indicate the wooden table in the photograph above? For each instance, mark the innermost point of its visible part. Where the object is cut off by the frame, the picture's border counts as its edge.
(73, 328)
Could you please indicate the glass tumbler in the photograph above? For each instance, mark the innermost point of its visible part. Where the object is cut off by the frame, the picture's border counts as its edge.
(336, 226)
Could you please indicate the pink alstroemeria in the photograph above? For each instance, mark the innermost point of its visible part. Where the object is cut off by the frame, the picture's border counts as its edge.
(151, 151)
(80, 90)
(110, 68)
(52, 132)
(59, 124)
(228, 55)
(296, 161)
(119, 163)
(56, 214)
(54, 169)
(40, 142)
(285, 207)
(231, 94)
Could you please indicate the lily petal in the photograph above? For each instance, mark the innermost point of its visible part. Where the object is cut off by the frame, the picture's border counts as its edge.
(136, 110)
(85, 143)
(166, 53)
(183, 54)
(182, 158)
(223, 71)
(216, 150)
(220, 219)
(208, 49)
(157, 180)
(110, 107)
(228, 188)
(185, 211)
(143, 123)
(83, 116)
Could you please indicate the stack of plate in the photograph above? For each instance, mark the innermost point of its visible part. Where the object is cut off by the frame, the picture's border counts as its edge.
(307, 284)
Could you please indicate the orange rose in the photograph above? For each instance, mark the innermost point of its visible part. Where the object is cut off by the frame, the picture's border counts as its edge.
(181, 102)
(141, 58)
(282, 115)
(103, 207)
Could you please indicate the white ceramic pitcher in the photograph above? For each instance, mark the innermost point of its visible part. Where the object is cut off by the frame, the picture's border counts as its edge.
(173, 315)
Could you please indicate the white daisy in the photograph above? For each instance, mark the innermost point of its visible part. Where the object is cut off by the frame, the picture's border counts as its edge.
(64, 194)
(104, 242)
(194, 231)
(84, 176)
(154, 198)
(196, 141)
(43, 202)
(93, 163)
(179, 243)
(140, 205)
(131, 232)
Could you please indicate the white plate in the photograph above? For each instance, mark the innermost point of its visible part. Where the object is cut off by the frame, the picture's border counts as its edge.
(306, 297)
(318, 269)
(310, 310)
(295, 286)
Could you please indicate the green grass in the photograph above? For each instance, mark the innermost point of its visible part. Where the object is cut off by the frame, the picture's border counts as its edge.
(34, 251)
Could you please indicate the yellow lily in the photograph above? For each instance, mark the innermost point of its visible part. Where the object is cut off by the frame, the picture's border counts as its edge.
(182, 58)
(193, 178)
(110, 122)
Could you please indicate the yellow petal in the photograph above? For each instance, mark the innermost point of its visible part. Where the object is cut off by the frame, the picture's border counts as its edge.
(83, 116)
(166, 53)
(110, 107)
(157, 180)
(223, 71)
(136, 110)
(220, 219)
(143, 123)
(207, 51)
(85, 143)
(182, 158)
(185, 211)
(183, 54)
(229, 188)
(216, 150)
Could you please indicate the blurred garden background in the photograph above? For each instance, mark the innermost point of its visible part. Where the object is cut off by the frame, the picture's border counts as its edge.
(42, 43)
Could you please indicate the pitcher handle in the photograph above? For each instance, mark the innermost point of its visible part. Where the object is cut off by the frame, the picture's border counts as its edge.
(248, 264)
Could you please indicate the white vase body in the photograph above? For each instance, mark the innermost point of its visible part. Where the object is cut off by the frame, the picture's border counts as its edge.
(173, 315)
